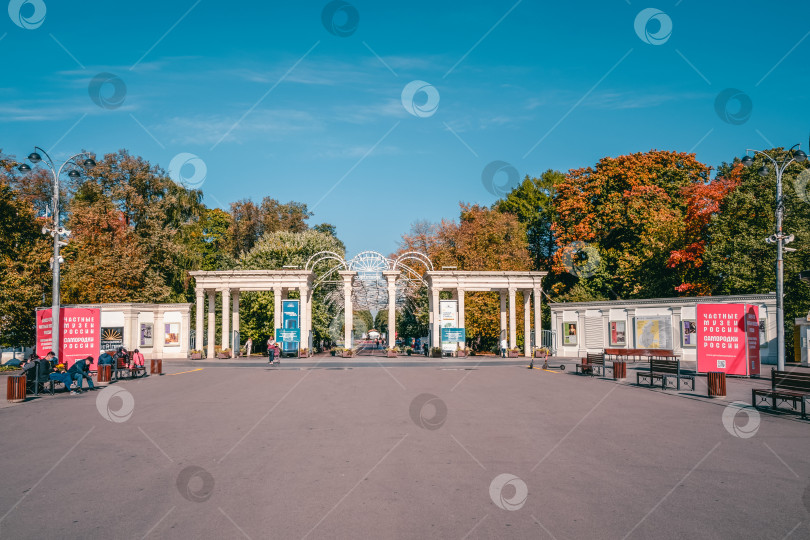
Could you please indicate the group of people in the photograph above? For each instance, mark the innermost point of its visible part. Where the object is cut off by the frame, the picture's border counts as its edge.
(80, 370)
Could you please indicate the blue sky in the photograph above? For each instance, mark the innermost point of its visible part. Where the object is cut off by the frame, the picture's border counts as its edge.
(273, 103)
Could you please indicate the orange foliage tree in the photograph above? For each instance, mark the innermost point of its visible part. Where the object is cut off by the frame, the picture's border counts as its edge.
(482, 239)
(626, 214)
(703, 201)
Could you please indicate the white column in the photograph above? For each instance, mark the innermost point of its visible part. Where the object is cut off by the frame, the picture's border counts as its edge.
(159, 334)
(236, 344)
(185, 328)
(348, 307)
(304, 315)
(212, 323)
(226, 318)
(460, 295)
(503, 318)
(199, 323)
(276, 310)
(130, 331)
(512, 319)
(436, 339)
(538, 312)
(527, 323)
(391, 277)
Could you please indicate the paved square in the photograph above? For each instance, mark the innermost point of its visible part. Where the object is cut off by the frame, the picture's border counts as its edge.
(364, 453)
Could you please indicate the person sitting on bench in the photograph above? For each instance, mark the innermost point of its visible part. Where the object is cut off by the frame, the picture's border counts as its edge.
(137, 360)
(81, 370)
(61, 375)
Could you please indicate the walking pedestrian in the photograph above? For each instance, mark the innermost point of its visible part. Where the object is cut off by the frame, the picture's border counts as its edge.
(271, 350)
(248, 347)
(503, 348)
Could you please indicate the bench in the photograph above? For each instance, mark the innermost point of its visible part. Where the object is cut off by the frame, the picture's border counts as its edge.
(639, 354)
(592, 362)
(662, 370)
(786, 386)
(122, 364)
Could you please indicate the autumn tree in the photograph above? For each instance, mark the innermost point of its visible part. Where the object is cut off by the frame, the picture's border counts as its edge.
(625, 216)
(24, 271)
(153, 214)
(482, 239)
(249, 221)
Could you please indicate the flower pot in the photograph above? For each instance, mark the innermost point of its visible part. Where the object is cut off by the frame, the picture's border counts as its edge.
(346, 354)
(390, 354)
(513, 354)
(461, 353)
(332, 353)
(540, 354)
(196, 356)
(409, 353)
(223, 355)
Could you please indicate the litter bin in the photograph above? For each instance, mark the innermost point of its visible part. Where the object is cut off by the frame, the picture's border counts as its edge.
(717, 383)
(619, 370)
(15, 391)
(104, 374)
(157, 367)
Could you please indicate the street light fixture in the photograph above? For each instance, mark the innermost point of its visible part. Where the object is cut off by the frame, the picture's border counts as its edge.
(779, 238)
(56, 229)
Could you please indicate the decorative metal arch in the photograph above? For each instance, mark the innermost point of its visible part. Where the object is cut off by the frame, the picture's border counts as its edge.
(370, 290)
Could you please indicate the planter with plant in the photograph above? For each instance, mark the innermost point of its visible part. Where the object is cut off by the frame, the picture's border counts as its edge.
(224, 354)
(513, 353)
(195, 354)
(392, 352)
(542, 352)
(409, 350)
(461, 353)
(436, 352)
(346, 353)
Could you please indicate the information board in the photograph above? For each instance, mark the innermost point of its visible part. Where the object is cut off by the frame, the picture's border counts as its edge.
(80, 336)
(728, 339)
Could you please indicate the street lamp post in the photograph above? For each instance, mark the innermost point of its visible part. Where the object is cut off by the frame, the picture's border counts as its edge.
(56, 230)
(779, 238)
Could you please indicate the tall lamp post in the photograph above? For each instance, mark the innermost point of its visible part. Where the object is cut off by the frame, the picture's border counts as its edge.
(779, 238)
(56, 230)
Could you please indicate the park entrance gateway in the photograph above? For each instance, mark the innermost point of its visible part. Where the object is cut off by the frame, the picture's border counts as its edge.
(367, 281)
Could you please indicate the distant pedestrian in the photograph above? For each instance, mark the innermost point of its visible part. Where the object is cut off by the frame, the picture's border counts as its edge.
(248, 347)
(504, 345)
(271, 350)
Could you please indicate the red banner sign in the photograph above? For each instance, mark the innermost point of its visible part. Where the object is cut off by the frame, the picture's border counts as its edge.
(80, 336)
(728, 339)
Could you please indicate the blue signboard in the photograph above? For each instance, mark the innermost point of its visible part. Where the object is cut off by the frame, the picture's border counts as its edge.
(290, 320)
(292, 335)
(453, 335)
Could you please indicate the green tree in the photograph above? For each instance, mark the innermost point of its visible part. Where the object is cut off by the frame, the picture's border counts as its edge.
(738, 257)
(283, 248)
(533, 204)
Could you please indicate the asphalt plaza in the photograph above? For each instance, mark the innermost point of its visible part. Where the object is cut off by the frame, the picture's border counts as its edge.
(399, 452)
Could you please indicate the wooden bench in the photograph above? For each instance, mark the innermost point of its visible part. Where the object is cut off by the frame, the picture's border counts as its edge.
(122, 364)
(592, 362)
(786, 386)
(663, 370)
(639, 354)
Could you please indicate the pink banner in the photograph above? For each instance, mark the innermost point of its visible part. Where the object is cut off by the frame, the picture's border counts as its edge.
(726, 340)
(80, 336)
